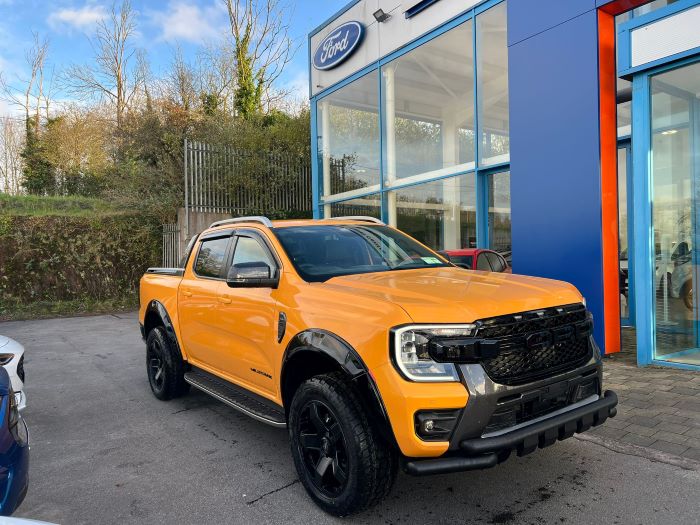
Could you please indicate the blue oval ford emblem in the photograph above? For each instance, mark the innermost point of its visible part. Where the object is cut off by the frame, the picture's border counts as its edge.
(338, 45)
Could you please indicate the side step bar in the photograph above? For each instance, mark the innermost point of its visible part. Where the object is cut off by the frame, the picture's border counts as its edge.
(236, 397)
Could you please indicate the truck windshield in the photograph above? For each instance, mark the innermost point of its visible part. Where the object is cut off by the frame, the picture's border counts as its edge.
(322, 252)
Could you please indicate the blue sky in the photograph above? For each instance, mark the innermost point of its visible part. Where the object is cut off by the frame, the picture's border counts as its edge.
(162, 24)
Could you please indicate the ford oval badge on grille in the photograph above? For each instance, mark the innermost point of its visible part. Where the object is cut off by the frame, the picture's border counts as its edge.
(539, 340)
(337, 47)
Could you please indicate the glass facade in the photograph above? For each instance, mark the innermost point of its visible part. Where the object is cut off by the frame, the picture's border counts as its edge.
(499, 212)
(348, 136)
(401, 142)
(440, 214)
(492, 86)
(675, 179)
(428, 100)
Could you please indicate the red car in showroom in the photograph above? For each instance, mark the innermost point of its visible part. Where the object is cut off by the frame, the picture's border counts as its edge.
(478, 259)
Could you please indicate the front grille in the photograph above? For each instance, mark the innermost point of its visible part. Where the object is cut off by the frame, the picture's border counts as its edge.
(531, 345)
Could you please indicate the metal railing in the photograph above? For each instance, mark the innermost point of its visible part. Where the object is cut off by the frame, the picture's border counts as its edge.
(221, 179)
(171, 245)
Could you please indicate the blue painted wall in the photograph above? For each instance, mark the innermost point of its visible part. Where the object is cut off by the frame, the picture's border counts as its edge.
(555, 151)
(526, 18)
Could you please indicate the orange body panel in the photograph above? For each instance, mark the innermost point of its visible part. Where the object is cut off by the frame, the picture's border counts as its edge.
(361, 309)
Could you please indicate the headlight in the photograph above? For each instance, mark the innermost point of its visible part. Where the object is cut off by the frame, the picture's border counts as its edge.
(410, 352)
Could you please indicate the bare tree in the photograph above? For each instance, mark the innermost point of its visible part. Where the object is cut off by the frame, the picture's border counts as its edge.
(12, 133)
(262, 49)
(28, 93)
(117, 74)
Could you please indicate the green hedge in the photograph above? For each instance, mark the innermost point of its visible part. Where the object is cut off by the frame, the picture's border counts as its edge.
(74, 260)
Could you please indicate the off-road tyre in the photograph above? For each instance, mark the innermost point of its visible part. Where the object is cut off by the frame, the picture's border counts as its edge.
(371, 464)
(164, 366)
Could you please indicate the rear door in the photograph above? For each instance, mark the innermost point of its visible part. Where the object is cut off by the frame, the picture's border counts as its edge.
(198, 299)
(248, 318)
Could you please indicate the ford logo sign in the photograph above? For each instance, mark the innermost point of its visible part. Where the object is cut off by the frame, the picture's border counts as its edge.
(338, 45)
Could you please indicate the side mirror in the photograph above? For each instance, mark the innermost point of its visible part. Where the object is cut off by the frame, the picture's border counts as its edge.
(256, 274)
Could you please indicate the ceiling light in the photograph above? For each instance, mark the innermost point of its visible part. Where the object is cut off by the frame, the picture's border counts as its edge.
(381, 16)
(669, 132)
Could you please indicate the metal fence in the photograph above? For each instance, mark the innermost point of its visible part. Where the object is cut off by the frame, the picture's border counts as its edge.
(221, 179)
(171, 245)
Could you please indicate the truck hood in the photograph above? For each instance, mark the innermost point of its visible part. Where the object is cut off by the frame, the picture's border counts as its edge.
(454, 295)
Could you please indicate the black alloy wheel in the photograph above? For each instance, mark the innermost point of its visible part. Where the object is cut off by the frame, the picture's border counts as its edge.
(156, 368)
(164, 366)
(323, 447)
(341, 458)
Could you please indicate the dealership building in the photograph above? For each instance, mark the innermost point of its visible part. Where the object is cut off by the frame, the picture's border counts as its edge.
(559, 133)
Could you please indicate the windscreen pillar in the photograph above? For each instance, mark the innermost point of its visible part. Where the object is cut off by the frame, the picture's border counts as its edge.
(563, 150)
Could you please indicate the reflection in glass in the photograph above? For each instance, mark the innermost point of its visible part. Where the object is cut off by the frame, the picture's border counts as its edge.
(499, 213)
(492, 85)
(622, 218)
(674, 189)
(440, 214)
(348, 128)
(428, 101)
(368, 206)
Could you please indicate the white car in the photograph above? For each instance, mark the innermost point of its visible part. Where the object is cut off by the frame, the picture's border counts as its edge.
(12, 358)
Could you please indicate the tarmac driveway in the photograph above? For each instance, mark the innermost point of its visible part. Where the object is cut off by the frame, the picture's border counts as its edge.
(104, 450)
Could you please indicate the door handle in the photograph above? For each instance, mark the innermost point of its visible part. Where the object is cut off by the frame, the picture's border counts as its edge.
(186, 293)
(225, 299)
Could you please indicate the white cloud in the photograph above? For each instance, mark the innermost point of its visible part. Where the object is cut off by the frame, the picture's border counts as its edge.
(185, 21)
(80, 18)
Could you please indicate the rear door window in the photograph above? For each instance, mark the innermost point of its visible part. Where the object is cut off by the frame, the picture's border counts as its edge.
(211, 257)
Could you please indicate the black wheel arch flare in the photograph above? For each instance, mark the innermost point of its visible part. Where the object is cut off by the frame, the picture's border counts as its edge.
(326, 347)
(156, 310)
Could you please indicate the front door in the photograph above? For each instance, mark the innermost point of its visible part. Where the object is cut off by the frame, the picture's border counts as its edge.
(248, 317)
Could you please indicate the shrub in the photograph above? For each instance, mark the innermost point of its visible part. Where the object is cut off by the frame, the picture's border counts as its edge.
(51, 259)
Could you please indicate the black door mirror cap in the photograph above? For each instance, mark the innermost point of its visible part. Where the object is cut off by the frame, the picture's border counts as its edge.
(256, 274)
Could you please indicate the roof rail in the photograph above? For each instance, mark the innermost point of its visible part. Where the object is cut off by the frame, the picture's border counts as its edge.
(262, 220)
(364, 218)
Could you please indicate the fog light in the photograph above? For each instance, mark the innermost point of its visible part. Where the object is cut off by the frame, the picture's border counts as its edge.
(435, 425)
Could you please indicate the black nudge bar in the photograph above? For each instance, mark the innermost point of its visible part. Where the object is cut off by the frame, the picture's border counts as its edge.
(481, 453)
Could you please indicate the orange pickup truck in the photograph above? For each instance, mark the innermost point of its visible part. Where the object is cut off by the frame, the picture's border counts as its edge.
(372, 350)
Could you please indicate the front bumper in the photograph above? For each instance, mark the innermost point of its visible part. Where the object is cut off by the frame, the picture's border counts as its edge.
(486, 452)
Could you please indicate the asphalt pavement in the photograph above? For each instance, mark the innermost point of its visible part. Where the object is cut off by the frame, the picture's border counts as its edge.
(104, 450)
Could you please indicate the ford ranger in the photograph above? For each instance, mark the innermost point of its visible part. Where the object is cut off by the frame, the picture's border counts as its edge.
(372, 350)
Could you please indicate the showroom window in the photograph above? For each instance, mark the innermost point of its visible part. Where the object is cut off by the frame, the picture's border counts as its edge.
(440, 214)
(367, 206)
(674, 176)
(499, 213)
(401, 141)
(348, 129)
(427, 101)
(492, 86)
